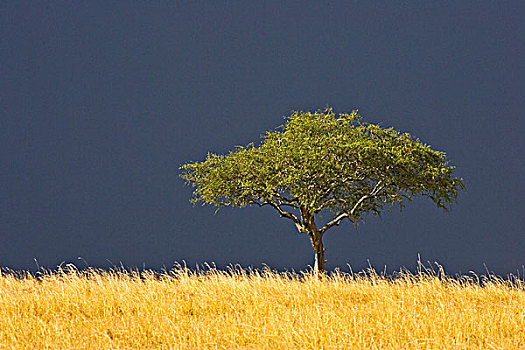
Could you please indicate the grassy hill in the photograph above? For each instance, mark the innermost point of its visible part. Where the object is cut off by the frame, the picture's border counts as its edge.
(239, 309)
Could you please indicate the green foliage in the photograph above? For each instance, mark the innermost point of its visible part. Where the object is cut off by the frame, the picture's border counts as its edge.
(320, 161)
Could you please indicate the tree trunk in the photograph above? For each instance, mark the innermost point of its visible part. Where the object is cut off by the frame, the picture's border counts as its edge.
(316, 238)
(317, 244)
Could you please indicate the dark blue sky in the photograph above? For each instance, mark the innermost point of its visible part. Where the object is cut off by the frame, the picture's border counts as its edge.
(101, 102)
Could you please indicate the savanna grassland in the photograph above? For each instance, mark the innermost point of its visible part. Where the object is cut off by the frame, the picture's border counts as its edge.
(239, 309)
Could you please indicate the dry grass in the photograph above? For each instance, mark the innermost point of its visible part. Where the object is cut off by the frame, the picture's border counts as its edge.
(180, 309)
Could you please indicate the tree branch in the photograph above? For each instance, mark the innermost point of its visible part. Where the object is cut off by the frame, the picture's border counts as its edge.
(335, 199)
(291, 202)
(326, 204)
(283, 214)
(334, 222)
(286, 199)
(377, 188)
(337, 220)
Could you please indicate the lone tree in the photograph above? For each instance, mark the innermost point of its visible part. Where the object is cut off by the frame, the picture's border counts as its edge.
(320, 162)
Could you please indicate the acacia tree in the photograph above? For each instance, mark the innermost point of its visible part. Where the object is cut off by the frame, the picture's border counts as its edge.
(320, 162)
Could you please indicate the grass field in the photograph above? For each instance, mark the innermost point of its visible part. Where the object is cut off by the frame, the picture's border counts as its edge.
(238, 309)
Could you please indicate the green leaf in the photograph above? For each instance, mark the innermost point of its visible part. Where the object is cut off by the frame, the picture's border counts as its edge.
(326, 161)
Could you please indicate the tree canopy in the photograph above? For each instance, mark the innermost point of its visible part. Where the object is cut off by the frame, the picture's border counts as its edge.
(325, 162)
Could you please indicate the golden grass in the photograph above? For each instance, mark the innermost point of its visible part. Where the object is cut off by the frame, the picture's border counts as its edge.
(180, 309)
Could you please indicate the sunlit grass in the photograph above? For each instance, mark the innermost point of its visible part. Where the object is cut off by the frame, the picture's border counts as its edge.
(239, 309)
